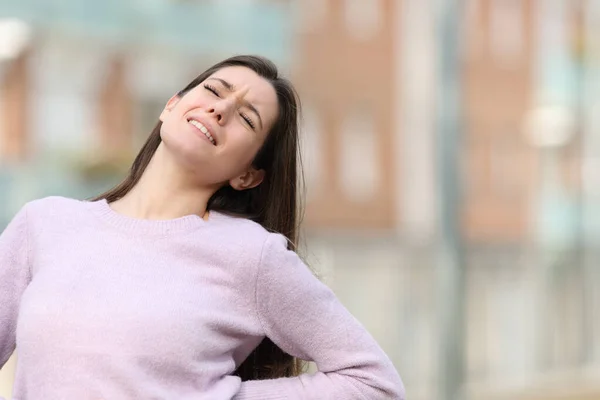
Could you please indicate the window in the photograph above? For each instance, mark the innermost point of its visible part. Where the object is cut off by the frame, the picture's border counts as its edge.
(363, 18)
(359, 168)
(506, 31)
(311, 14)
(311, 147)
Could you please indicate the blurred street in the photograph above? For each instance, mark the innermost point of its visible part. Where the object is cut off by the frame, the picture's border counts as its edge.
(451, 153)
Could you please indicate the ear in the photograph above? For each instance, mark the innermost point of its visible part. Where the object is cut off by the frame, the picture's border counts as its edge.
(248, 180)
(170, 104)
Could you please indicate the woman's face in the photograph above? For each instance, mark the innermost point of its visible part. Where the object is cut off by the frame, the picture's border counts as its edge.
(217, 128)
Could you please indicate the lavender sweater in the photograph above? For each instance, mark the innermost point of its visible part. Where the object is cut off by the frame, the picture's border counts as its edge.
(103, 306)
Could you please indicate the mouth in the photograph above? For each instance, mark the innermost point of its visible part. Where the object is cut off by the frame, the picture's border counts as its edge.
(203, 129)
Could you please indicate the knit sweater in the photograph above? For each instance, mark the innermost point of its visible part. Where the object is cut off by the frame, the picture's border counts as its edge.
(105, 306)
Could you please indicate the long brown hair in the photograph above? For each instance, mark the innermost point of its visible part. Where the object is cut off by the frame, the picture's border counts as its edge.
(274, 203)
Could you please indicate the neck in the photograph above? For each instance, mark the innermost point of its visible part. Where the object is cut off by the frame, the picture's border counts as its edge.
(165, 191)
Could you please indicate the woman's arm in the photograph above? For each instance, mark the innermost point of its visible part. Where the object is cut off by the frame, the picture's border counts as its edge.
(14, 277)
(303, 317)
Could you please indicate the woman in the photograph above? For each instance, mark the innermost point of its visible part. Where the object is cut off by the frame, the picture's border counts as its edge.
(181, 282)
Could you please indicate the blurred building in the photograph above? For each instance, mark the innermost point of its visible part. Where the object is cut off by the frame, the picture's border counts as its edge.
(83, 82)
(81, 86)
(367, 72)
(343, 65)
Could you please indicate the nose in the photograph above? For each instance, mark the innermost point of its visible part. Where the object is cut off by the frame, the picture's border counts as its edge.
(221, 110)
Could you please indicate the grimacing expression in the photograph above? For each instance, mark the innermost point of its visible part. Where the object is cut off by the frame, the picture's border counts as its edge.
(217, 128)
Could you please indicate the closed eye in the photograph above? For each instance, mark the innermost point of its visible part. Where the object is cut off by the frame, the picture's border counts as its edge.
(248, 120)
(212, 89)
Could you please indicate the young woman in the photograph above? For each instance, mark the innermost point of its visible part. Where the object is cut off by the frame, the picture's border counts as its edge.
(182, 282)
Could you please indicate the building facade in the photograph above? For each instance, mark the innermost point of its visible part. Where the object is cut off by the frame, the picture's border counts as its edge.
(528, 330)
(78, 100)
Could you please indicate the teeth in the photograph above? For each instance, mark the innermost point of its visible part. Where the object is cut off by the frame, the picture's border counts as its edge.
(203, 129)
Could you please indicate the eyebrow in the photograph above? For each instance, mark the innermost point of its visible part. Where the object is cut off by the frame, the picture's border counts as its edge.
(231, 88)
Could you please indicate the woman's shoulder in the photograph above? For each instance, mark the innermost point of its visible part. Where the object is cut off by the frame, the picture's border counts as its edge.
(46, 207)
(250, 231)
(237, 225)
(52, 203)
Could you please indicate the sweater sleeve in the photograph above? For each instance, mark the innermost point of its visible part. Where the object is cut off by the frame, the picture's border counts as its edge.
(14, 278)
(304, 318)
